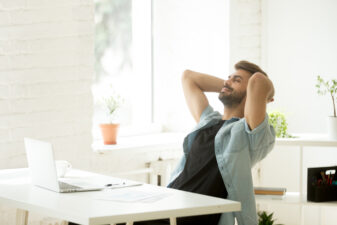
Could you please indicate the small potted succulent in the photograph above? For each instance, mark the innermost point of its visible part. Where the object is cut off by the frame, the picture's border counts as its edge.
(329, 87)
(265, 219)
(109, 130)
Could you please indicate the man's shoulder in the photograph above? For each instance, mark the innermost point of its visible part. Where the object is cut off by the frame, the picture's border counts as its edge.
(238, 127)
(209, 114)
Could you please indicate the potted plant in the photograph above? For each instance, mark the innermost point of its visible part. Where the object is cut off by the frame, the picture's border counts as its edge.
(110, 129)
(279, 122)
(265, 219)
(330, 87)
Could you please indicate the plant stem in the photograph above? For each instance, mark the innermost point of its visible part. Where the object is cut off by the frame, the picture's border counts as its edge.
(334, 106)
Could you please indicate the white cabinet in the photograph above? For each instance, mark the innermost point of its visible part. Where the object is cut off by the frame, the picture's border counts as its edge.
(302, 142)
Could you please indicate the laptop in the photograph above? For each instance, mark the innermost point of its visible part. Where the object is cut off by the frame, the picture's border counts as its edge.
(42, 166)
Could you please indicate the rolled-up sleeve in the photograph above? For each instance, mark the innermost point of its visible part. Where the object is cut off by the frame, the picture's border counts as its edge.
(262, 139)
(207, 111)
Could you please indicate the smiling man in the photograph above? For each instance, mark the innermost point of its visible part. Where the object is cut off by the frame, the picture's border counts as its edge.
(220, 152)
(222, 149)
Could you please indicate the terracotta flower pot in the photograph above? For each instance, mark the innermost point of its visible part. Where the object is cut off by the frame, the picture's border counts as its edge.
(109, 133)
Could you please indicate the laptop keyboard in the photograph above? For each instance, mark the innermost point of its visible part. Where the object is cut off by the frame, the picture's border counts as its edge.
(68, 187)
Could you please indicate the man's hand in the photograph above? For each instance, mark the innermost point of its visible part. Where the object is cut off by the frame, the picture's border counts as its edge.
(260, 91)
(194, 86)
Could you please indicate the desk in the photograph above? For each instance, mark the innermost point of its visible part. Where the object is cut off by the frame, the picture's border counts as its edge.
(84, 208)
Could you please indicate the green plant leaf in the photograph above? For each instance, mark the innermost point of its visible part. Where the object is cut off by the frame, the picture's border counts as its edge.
(278, 121)
(265, 219)
(329, 86)
(112, 102)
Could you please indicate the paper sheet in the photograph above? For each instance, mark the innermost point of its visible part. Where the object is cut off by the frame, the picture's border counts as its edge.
(131, 195)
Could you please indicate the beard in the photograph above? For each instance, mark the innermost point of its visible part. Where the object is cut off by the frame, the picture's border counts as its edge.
(233, 99)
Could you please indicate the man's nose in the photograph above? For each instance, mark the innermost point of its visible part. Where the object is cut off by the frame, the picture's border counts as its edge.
(227, 82)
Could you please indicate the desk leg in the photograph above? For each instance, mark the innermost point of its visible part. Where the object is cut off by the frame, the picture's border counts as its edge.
(21, 217)
(173, 221)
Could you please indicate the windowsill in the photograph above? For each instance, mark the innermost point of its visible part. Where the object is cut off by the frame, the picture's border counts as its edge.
(142, 143)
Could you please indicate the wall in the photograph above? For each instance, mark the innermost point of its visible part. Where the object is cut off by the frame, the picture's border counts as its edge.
(245, 31)
(46, 71)
(301, 44)
(193, 35)
(298, 43)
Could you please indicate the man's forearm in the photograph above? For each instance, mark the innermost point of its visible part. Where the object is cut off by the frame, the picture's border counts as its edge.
(205, 82)
(260, 91)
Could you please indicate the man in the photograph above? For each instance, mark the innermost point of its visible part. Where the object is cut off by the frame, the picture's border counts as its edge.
(220, 152)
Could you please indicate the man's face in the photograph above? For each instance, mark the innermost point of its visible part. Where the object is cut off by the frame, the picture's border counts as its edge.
(235, 87)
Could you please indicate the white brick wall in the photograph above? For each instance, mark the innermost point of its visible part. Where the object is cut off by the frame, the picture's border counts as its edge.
(245, 30)
(46, 70)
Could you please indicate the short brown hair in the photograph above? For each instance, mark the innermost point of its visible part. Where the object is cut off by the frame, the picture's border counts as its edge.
(249, 67)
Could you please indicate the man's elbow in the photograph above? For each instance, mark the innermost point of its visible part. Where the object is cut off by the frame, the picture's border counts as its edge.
(186, 74)
(261, 85)
(187, 77)
(259, 79)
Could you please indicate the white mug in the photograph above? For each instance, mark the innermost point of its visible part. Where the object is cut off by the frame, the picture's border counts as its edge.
(62, 167)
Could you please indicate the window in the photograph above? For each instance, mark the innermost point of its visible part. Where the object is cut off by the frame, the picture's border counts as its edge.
(147, 45)
(123, 59)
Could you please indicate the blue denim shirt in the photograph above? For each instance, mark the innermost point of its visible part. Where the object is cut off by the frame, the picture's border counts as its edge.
(237, 150)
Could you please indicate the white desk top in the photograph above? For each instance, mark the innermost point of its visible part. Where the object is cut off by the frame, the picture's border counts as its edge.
(85, 207)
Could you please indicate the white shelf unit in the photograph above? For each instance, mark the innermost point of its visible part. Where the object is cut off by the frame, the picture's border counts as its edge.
(300, 198)
(293, 198)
